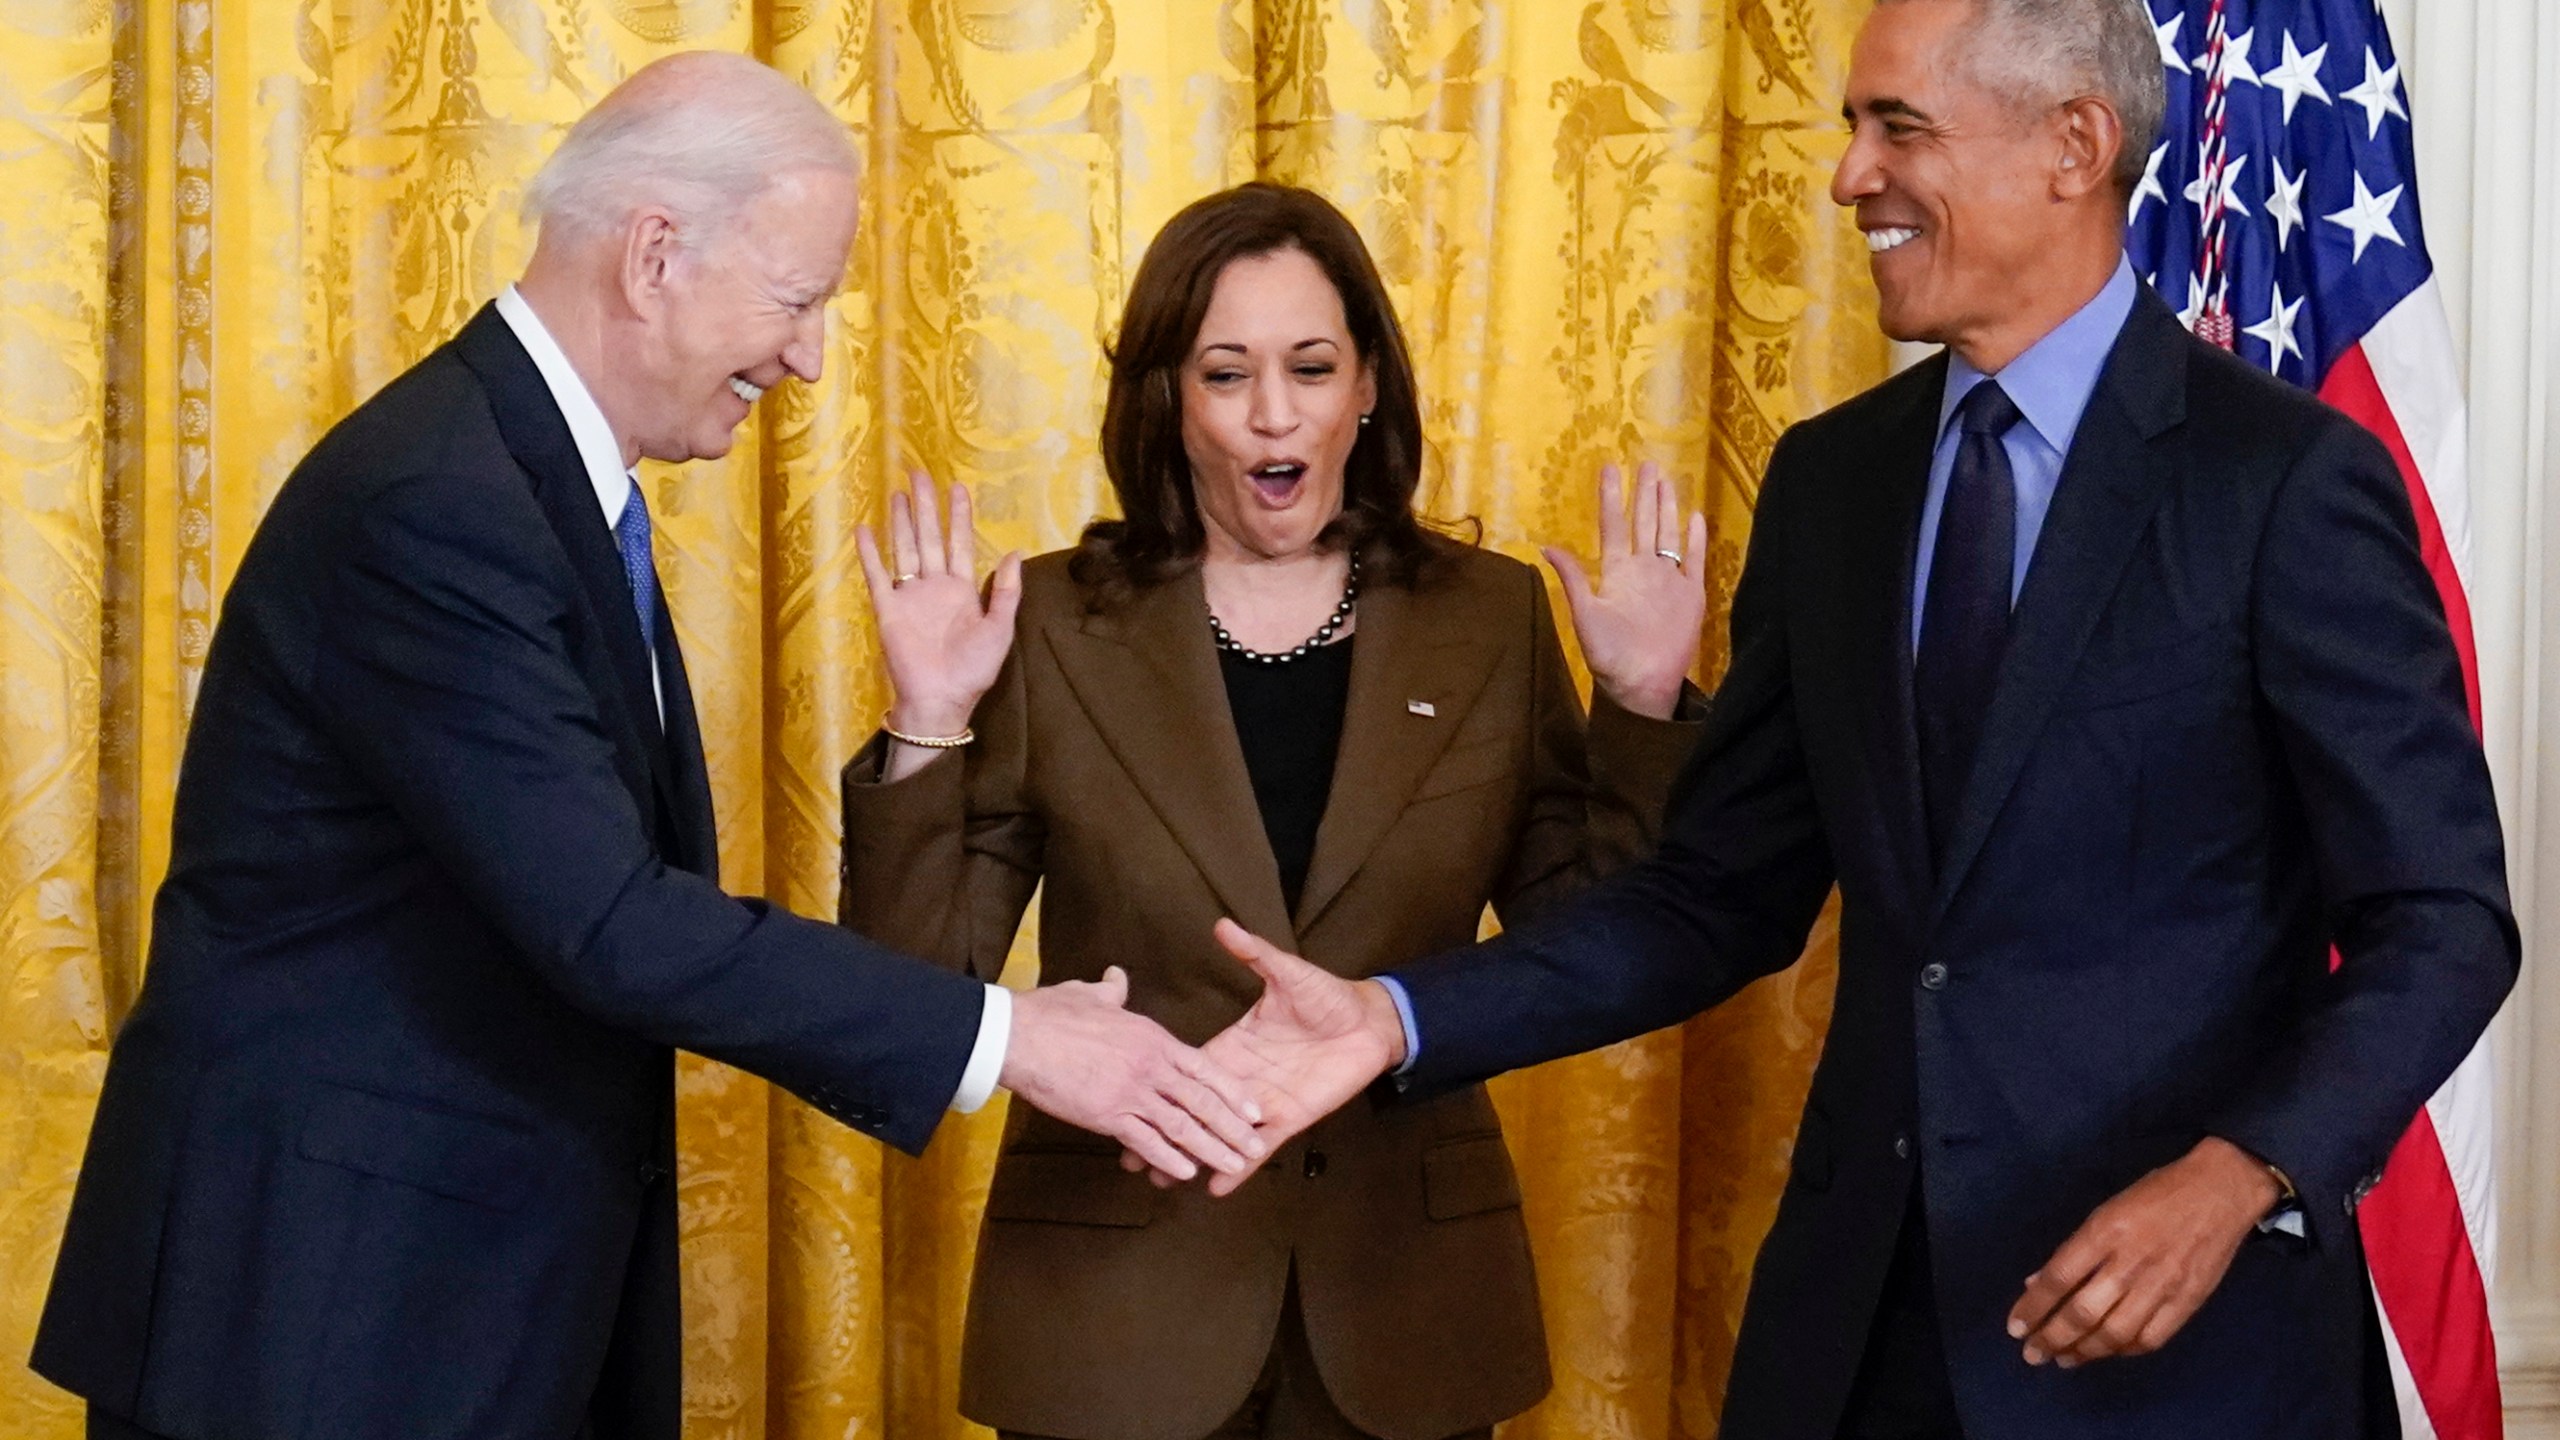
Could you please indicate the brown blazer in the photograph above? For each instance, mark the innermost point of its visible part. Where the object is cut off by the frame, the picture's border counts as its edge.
(1107, 765)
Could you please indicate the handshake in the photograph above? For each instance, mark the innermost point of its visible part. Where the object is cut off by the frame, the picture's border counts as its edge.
(1310, 1043)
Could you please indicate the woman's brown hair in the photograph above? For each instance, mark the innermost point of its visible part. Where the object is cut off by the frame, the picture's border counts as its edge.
(1161, 533)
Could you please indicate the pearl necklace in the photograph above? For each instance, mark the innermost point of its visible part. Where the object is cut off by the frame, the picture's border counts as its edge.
(1324, 633)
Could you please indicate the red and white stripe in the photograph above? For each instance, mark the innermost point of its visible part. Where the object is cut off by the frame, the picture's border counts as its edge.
(2214, 323)
(2430, 1232)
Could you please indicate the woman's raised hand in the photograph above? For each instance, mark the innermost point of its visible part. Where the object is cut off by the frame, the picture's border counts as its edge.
(942, 639)
(1640, 623)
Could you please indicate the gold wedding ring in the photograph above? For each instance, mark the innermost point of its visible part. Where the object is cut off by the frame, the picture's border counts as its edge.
(1671, 555)
(897, 580)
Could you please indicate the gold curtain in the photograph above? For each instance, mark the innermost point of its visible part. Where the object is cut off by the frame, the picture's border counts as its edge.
(231, 220)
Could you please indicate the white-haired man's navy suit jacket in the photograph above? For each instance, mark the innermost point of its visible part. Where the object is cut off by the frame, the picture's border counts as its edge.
(385, 1146)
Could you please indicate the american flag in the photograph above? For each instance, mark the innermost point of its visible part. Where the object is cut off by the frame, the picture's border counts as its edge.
(2279, 214)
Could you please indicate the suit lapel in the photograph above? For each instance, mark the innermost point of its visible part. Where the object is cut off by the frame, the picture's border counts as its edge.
(538, 437)
(1146, 674)
(1881, 549)
(2111, 481)
(1402, 656)
(687, 775)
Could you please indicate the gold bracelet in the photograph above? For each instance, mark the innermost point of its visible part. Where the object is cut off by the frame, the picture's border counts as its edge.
(927, 742)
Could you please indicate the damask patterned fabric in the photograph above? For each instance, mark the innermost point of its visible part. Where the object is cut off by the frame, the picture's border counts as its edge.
(229, 220)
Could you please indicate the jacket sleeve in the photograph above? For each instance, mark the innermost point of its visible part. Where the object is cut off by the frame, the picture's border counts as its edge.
(1730, 894)
(1596, 787)
(943, 862)
(2358, 675)
(443, 672)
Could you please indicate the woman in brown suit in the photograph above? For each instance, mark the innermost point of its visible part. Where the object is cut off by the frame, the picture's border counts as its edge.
(1268, 693)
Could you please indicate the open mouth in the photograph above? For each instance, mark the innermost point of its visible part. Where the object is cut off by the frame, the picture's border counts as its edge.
(1277, 482)
(745, 389)
(1891, 237)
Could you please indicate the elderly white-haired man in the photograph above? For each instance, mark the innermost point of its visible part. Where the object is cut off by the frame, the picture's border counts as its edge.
(386, 1145)
(2099, 672)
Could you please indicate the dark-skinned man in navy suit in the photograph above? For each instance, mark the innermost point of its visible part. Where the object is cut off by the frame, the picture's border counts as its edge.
(2099, 672)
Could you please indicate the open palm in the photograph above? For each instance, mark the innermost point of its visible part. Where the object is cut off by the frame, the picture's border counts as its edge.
(942, 640)
(1640, 621)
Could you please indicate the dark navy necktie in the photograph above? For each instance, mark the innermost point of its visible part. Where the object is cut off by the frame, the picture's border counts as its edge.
(1964, 620)
(631, 533)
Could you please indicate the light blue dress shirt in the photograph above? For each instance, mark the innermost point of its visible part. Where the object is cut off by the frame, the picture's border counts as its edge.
(2050, 384)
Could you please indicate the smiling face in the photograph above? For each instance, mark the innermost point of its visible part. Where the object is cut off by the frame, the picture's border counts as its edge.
(1954, 182)
(1272, 395)
(724, 322)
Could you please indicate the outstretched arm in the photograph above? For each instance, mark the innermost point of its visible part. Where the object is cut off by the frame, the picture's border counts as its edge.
(448, 683)
(1730, 895)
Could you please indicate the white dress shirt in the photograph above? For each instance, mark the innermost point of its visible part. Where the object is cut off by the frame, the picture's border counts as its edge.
(602, 455)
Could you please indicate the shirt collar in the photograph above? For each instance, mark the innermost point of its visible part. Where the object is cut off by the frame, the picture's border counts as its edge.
(597, 448)
(2052, 382)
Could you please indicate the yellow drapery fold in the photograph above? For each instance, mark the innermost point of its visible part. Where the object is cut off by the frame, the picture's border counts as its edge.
(1605, 228)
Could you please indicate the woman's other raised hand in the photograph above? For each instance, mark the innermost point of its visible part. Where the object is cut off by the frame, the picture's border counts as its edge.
(1640, 622)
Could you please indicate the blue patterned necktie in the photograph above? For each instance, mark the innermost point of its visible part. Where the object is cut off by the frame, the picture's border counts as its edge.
(631, 533)
(1964, 621)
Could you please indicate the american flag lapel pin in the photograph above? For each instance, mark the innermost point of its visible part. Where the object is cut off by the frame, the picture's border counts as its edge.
(1422, 708)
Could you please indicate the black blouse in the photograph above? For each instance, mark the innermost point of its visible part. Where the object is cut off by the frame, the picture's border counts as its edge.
(1289, 723)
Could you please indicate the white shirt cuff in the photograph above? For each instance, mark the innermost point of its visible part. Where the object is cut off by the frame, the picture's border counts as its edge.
(2286, 1221)
(986, 1061)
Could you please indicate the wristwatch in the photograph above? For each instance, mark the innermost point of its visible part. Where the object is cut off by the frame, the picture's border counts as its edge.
(2286, 1213)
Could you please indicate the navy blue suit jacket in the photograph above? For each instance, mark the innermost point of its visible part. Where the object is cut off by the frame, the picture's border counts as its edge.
(2228, 734)
(386, 1145)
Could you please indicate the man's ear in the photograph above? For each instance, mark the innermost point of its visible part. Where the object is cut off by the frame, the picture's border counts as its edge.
(2091, 135)
(650, 241)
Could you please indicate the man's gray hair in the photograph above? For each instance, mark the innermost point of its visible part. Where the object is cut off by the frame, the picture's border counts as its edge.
(702, 134)
(2044, 52)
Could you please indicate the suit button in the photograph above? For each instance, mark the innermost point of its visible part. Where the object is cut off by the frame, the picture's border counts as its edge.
(651, 1172)
(1315, 1164)
(1901, 1147)
(1933, 976)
